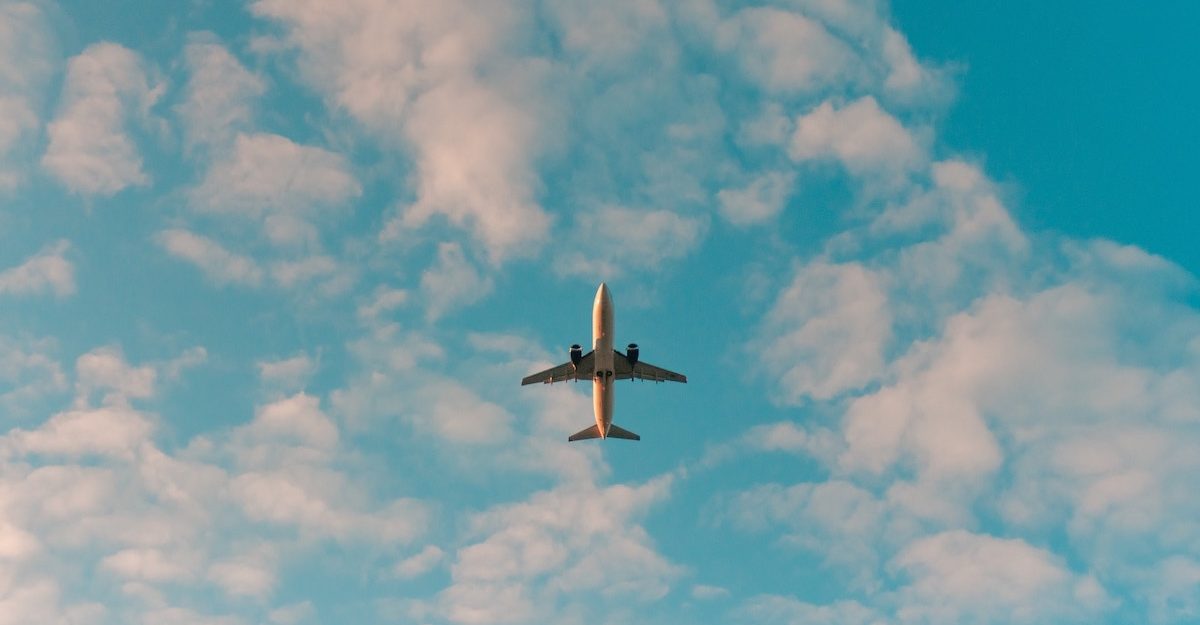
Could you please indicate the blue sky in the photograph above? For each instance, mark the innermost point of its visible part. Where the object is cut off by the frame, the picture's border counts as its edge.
(270, 274)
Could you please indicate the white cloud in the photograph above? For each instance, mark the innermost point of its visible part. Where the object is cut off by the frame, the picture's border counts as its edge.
(89, 150)
(111, 431)
(452, 282)
(150, 564)
(861, 136)
(290, 273)
(472, 167)
(26, 63)
(266, 174)
(456, 414)
(958, 576)
(562, 543)
(250, 574)
(385, 299)
(787, 52)
(419, 564)
(611, 239)
(36, 599)
(30, 372)
(770, 609)
(439, 79)
(826, 332)
(613, 35)
(704, 592)
(293, 614)
(217, 98)
(288, 373)
(105, 368)
(47, 271)
(312, 501)
(758, 201)
(296, 419)
(218, 264)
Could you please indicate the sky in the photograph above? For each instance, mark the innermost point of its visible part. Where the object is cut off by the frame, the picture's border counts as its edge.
(271, 272)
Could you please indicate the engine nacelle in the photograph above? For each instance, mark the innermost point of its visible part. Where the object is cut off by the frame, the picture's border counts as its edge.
(576, 354)
(631, 353)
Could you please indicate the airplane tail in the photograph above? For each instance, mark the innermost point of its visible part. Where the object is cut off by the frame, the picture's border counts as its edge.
(592, 432)
(613, 432)
(618, 432)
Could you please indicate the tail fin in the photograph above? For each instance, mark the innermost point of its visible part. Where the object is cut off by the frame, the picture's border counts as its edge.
(592, 432)
(613, 432)
(619, 432)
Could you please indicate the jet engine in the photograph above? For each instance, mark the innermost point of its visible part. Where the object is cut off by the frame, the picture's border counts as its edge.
(631, 353)
(576, 354)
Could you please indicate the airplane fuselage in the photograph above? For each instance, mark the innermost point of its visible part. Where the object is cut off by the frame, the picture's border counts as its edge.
(603, 379)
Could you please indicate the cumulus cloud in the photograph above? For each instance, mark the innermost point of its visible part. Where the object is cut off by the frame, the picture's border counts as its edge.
(827, 331)
(420, 563)
(559, 543)
(47, 271)
(90, 151)
(863, 137)
(438, 79)
(218, 264)
(613, 239)
(289, 372)
(29, 372)
(452, 282)
(26, 61)
(785, 51)
(266, 173)
(758, 201)
(110, 431)
(218, 95)
(960, 577)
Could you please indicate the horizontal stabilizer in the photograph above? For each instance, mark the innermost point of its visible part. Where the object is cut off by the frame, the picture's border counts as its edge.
(618, 432)
(592, 432)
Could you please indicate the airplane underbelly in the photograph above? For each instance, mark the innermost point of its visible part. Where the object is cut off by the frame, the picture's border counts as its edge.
(602, 403)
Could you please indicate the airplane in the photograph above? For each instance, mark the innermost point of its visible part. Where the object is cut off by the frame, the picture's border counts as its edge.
(604, 365)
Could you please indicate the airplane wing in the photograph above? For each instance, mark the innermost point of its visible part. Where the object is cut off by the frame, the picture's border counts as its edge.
(565, 371)
(642, 370)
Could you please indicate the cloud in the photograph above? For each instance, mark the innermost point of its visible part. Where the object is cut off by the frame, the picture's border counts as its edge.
(110, 431)
(149, 564)
(89, 151)
(784, 51)
(27, 59)
(288, 373)
(863, 137)
(419, 564)
(561, 543)
(47, 271)
(442, 81)
(452, 282)
(250, 574)
(266, 174)
(29, 371)
(959, 576)
(826, 332)
(384, 300)
(613, 239)
(218, 264)
(758, 201)
(704, 592)
(778, 609)
(105, 369)
(296, 419)
(472, 167)
(218, 96)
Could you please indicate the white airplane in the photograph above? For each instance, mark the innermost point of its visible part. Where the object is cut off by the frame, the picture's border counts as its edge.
(604, 365)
